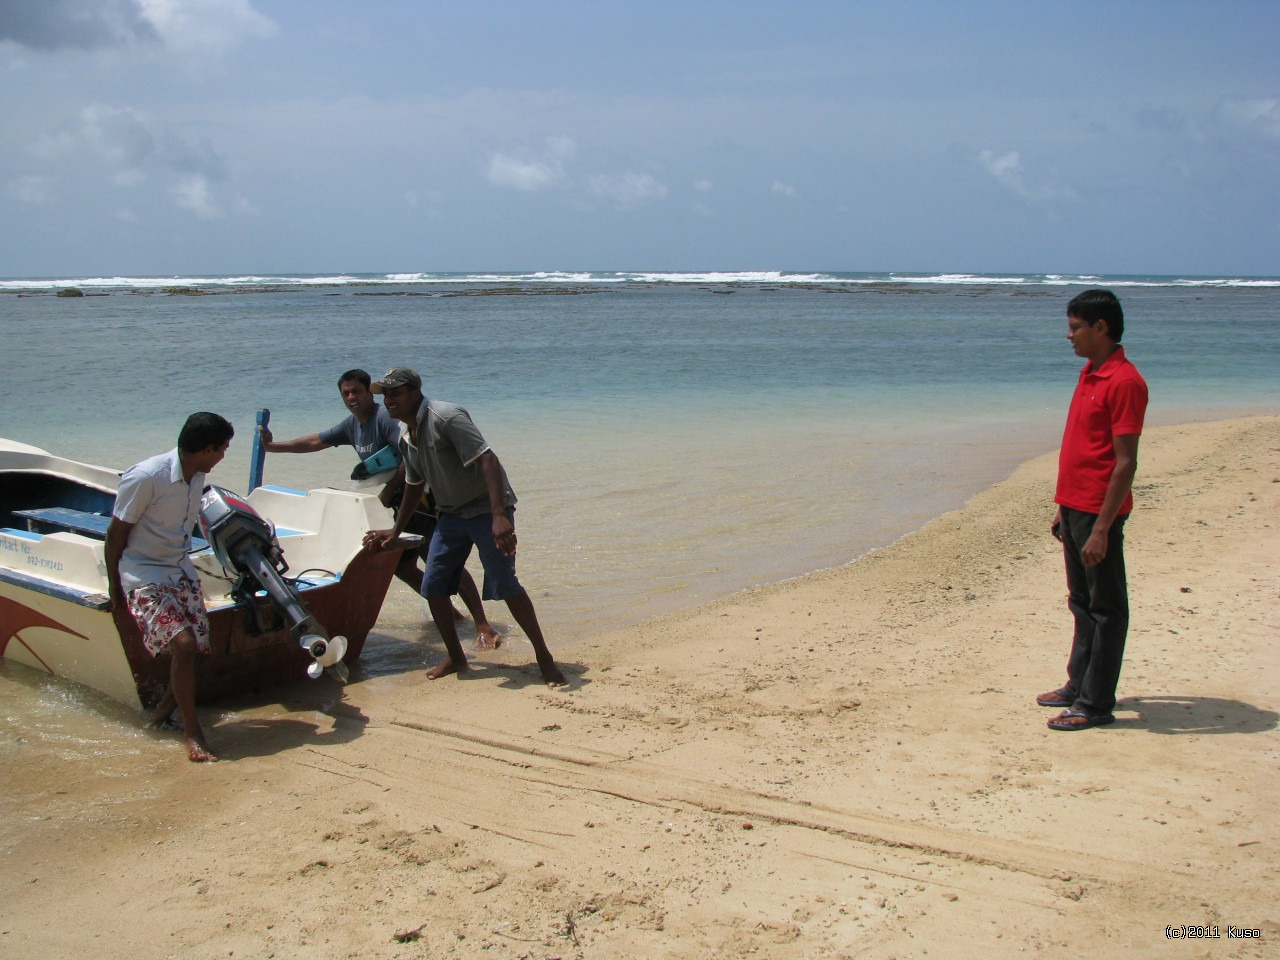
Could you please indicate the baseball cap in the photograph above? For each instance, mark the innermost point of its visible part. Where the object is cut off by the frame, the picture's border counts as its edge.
(396, 377)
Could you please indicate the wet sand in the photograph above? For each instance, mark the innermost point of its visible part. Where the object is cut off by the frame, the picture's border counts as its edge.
(847, 764)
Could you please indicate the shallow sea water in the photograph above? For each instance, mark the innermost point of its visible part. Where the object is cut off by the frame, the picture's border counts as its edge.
(670, 443)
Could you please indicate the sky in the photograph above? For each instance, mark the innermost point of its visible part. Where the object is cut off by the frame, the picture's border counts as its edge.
(203, 137)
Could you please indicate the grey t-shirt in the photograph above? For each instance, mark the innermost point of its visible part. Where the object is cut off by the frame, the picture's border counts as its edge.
(446, 457)
(368, 438)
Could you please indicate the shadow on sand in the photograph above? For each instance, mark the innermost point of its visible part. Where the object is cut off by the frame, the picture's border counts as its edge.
(315, 715)
(403, 652)
(1204, 715)
(322, 713)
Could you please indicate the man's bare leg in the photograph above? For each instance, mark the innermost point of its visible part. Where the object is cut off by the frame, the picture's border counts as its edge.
(457, 661)
(182, 688)
(521, 608)
(410, 574)
(487, 638)
(161, 717)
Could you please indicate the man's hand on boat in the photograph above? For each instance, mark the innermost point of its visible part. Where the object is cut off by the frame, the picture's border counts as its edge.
(380, 539)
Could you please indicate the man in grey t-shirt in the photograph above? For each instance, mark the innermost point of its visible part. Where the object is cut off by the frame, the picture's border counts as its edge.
(442, 449)
(369, 429)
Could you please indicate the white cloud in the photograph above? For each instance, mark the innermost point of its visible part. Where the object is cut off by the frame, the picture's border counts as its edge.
(133, 150)
(784, 190)
(131, 142)
(123, 137)
(192, 193)
(702, 185)
(192, 28)
(531, 171)
(628, 189)
(205, 27)
(523, 174)
(546, 168)
(1007, 168)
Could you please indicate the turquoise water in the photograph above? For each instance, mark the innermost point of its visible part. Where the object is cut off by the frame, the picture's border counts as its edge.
(672, 438)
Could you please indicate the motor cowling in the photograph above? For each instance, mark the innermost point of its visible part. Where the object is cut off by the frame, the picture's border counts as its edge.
(246, 546)
(229, 523)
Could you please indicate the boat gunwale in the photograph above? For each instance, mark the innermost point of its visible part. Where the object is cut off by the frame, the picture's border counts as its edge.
(92, 599)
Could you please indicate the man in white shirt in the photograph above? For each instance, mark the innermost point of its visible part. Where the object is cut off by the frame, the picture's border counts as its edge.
(149, 572)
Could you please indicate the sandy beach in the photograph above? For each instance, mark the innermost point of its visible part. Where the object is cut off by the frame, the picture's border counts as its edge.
(850, 764)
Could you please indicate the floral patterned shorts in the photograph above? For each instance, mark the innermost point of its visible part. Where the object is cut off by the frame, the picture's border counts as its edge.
(163, 611)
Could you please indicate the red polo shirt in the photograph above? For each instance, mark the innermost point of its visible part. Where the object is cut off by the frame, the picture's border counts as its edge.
(1109, 402)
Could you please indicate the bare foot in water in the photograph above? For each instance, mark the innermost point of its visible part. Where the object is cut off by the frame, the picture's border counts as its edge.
(198, 751)
(444, 669)
(487, 638)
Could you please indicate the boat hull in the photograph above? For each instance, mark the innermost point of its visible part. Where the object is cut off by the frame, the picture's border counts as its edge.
(241, 661)
(55, 615)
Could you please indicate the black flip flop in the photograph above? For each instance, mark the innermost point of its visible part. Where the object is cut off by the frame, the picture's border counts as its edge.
(1056, 698)
(1090, 720)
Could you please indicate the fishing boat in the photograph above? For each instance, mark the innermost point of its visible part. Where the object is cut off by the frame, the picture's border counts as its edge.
(55, 614)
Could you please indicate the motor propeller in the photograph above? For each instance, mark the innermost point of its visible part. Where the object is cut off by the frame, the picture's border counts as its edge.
(325, 654)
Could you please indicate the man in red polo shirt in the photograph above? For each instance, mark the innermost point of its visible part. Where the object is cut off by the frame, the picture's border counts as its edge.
(1095, 479)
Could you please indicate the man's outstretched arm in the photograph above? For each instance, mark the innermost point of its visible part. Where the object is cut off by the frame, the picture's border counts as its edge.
(308, 444)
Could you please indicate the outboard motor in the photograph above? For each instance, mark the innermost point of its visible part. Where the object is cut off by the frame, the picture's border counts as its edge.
(246, 545)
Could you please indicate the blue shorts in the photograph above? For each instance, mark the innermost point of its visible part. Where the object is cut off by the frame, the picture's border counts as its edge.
(451, 545)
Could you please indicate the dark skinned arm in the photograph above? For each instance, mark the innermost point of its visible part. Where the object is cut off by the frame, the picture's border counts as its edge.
(380, 539)
(311, 443)
(117, 539)
(504, 534)
(1118, 487)
(392, 487)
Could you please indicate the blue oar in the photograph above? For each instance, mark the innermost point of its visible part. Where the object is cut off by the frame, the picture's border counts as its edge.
(259, 454)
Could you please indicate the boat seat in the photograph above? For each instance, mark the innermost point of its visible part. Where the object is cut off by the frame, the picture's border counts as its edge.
(78, 521)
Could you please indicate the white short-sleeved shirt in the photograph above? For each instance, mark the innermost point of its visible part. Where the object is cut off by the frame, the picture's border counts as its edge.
(163, 508)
